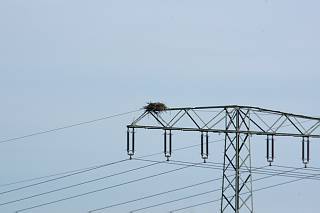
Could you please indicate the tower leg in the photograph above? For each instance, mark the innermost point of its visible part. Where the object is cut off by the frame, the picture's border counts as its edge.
(237, 180)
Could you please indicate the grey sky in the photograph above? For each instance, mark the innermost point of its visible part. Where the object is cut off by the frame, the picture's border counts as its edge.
(68, 61)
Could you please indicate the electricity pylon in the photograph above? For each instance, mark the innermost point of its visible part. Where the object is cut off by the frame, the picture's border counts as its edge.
(238, 124)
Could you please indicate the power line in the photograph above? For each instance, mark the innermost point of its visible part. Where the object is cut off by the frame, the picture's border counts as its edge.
(195, 205)
(308, 168)
(68, 175)
(255, 170)
(182, 148)
(176, 200)
(154, 195)
(153, 163)
(315, 169)
(256, 190)
(295, 174)
(101, 165)
(291, 174)
(142, 198)
(157, 194)
(76, 173)
(88, 181)
(268, 176)
(46, 176)
(78, 184)
(196, 195)
(106, 188)
(66, 127)
(93, 180)
(89, 168)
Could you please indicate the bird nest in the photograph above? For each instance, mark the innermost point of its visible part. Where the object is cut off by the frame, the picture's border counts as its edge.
(155, 107)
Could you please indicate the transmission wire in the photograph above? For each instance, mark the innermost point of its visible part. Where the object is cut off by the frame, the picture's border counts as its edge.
(256, 190)
(196, 195)
(94, 167)
(66, 127)
(106, 188)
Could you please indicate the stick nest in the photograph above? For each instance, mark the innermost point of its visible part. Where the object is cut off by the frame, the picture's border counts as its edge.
(156, 107)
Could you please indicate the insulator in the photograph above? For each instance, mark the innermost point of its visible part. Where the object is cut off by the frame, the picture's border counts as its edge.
(130, 144)
(270, 149)
(207, 144)
(167, 144)
(128, 140)
(201, 144)
(170, 144)
(305, 150)
(204, 146)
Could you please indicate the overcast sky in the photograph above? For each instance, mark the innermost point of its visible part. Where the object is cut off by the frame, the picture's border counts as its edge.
(63, 62)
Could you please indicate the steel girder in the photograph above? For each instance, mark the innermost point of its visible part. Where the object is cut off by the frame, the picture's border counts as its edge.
(211, 119)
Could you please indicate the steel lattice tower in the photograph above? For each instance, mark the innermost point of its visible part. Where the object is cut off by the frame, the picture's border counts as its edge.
(238, 124)
(237, 181)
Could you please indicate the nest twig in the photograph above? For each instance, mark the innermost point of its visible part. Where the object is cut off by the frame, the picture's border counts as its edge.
(156, 107)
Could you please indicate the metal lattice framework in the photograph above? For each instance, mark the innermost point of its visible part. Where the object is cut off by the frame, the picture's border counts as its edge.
(238, 124)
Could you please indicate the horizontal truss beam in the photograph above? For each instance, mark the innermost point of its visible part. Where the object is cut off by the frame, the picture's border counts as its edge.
(262, 121)
(257, 109)
(223, 131)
